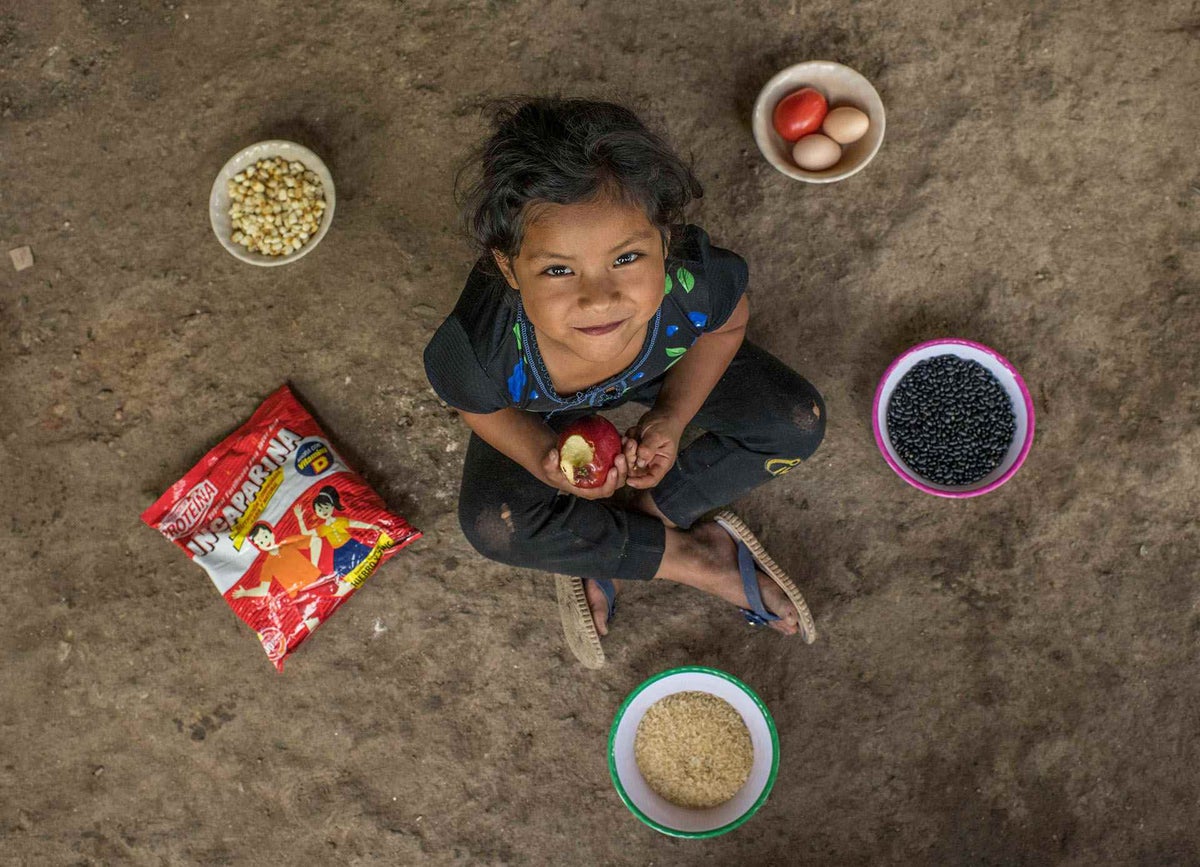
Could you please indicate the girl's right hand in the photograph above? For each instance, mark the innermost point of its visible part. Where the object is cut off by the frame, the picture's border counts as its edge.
(552, 475)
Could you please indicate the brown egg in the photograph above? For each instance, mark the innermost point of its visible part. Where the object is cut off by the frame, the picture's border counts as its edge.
(845, 125)
(816, 152)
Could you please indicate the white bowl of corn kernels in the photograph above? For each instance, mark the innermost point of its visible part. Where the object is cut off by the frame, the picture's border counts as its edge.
(272, 203)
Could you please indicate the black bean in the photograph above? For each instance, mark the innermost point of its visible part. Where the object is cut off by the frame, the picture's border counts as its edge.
(950, 420)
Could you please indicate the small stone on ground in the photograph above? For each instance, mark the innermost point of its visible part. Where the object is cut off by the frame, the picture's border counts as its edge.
(22, 258)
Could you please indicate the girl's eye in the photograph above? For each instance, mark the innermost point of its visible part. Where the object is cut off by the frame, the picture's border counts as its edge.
(557, 268)
(628, 260)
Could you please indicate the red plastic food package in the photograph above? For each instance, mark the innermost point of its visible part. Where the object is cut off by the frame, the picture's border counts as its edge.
(284, 528)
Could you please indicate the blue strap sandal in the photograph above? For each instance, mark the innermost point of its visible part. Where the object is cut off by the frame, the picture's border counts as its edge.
(576, 616)
(757, 614)
(752, 556)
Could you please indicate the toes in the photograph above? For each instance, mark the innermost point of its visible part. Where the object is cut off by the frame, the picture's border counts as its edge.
(777, 603)
(598, 604)
(600, 617)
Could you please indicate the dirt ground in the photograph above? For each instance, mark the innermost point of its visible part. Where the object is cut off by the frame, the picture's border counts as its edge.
(1006, 680)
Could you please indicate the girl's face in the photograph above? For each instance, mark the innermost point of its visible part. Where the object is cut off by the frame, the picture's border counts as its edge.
(323, 509)
(590, 276)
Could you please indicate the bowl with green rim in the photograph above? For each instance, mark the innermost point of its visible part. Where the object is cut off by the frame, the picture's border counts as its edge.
(659, 813)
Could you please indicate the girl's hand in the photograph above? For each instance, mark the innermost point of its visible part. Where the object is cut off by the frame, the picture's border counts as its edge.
(651, 447)
(299, 512)
(238, 592)
(552, 475)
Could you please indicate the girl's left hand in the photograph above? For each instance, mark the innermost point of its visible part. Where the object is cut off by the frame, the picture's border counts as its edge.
(650, 449)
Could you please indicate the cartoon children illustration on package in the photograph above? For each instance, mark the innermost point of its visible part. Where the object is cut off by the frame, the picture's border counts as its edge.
(348, 552)
(292, 562)
(295, 562)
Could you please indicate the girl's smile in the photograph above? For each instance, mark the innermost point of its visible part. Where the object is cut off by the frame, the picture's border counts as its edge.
(598, 330)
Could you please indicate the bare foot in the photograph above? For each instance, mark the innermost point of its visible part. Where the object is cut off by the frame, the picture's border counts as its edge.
(598, 602)
(718, 574)
(643, 502)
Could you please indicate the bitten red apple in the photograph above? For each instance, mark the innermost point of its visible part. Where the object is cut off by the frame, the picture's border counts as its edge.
(587, 450)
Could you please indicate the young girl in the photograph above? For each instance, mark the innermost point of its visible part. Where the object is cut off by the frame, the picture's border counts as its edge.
(590, 292)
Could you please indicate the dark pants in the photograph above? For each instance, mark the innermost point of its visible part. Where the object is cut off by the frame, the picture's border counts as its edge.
(760, 420)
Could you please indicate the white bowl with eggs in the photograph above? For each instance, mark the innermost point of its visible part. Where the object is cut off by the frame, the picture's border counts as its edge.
(841, 87)
(219, 200)
(659, 813)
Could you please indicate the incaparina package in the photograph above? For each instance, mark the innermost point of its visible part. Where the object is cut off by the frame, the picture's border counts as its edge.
(284, 527)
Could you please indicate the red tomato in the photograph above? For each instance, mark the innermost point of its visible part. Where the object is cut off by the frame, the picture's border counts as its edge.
(800, 113)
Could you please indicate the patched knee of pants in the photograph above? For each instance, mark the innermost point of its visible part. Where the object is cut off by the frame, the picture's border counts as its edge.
(807, 417)
(494, 529)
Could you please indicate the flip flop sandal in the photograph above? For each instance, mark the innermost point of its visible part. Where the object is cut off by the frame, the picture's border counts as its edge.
(750, 554)
(578, 626)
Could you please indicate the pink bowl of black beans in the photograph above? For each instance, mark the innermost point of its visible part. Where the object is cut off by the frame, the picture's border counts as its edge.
(953, 418)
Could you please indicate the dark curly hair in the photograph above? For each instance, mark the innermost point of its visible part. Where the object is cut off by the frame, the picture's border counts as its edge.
(564, 151)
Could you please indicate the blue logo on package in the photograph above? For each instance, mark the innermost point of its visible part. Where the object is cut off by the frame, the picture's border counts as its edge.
(313, 458)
